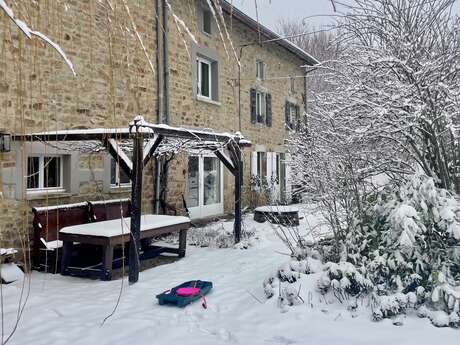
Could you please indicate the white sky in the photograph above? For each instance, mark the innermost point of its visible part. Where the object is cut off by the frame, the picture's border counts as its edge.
(271, 11)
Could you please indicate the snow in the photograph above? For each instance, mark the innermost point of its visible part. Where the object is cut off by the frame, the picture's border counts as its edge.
(8, 251)
(68, 310)
(10, 272)
(117, 227)
(103, 202)
(29, 32)
(276, 208)
(59, 207)
(51, 245)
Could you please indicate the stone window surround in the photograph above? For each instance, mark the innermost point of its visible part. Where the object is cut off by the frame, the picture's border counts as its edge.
(70, 170)
(212, 56)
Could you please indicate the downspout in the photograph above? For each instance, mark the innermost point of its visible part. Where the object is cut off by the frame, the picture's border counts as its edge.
(163, 177)
(160, 99)
(166, 61)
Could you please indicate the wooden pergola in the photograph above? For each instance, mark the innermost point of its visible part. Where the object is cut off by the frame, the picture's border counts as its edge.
(146, 140)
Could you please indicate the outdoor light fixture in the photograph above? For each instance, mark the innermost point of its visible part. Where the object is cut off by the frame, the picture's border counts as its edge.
(5, 142)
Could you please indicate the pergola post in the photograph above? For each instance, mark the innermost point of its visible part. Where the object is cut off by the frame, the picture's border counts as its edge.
(238, 192)
(136, 206)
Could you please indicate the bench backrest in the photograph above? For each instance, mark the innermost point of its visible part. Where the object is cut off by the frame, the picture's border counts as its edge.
(49, 220)
(110, 209)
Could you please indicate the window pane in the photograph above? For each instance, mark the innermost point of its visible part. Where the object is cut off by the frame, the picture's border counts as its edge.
(124, 179)
(113, 172)
(32, 172)
(193, 182)
(261, 164)
(52, 171)
(207, 21)
(211, 176)
(205, 79)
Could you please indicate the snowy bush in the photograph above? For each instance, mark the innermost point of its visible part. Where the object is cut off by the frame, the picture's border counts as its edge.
(402, 255)
(217, 235)
(344, 280)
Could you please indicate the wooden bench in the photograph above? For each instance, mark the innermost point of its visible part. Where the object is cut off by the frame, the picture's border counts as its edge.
(101, 218)
(46, 225)
(49, 220)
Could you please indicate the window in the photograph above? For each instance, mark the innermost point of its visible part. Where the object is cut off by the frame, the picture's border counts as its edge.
(292, 115)
(261, 107)
(261, 164)
(118, 177)
(207, 21)
(292, 86)
(44, 173)
(204, 78)
(260, 70)
(205, 74)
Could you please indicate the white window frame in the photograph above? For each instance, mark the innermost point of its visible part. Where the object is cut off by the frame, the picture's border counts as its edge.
(260, 70)
(261, 106)
(201, 61)
(202, 210)
(117, 176)
(41, 174)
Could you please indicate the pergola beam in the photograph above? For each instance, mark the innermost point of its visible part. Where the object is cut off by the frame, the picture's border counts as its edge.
(225, 161)
(119, 156)
(151, 147)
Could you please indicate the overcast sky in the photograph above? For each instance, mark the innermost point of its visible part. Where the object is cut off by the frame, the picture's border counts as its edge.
(271, 11)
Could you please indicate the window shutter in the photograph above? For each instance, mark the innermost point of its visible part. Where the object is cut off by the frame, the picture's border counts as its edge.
(253, 163)
(288, 178)
(297, 116)
(253, 105)
(286, 114)
(269, 110)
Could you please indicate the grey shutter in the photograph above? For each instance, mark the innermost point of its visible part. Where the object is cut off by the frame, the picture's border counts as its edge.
(286, 114)
(297, 116)
(253, 105)
(268, 102)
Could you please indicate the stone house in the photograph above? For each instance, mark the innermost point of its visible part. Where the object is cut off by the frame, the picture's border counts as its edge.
(171, 62)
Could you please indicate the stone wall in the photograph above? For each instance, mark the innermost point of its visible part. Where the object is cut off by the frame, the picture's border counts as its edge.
(39, 93)
(186, 110)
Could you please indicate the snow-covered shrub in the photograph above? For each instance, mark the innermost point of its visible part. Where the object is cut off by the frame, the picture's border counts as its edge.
(419, 238)
(289, 296)
(217, 235)
(404, 253)
(392, 305)
(344, 280)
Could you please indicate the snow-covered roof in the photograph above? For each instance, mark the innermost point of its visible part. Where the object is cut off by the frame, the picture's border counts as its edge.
(230, 9)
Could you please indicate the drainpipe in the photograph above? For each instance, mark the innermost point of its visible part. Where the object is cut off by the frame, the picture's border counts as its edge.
(166, 61)
(160, 99)
(163, 178)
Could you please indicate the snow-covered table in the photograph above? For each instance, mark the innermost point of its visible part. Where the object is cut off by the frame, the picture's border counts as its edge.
(110, 233)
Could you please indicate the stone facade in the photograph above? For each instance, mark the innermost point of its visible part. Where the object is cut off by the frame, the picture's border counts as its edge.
(114, 83)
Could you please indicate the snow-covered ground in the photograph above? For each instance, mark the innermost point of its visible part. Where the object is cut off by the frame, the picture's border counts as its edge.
(65, 310)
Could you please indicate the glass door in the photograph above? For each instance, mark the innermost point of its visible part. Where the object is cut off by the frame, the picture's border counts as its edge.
(205, 186)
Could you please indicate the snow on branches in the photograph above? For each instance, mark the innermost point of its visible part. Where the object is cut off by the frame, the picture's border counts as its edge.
(28, 32)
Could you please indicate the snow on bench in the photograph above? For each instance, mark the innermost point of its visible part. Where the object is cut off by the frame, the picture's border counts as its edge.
(118, 227)
(59, 207)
